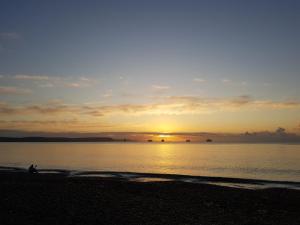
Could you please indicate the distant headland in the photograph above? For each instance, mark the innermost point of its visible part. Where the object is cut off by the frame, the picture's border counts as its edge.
(58, 139)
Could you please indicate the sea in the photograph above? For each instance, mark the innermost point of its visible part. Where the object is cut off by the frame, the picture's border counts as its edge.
(278, 162)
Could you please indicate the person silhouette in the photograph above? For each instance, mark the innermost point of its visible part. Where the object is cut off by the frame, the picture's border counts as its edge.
(32, 169)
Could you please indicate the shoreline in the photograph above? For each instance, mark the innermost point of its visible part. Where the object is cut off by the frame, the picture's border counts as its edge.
(112, 198)
(242, 183)
(159, 142)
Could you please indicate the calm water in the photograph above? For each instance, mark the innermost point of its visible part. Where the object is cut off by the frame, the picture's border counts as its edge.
(261, 161)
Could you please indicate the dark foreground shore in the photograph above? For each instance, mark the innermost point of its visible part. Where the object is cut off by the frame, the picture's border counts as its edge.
(57, 199)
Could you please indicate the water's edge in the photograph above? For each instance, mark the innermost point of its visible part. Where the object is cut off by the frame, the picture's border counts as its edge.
(253, 184)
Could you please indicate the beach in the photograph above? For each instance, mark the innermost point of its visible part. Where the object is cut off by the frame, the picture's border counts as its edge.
(53, 197)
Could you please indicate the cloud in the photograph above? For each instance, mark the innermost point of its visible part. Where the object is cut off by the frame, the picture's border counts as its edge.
(107, 94)
(73, 85)
(14, 90)
(297, 128)
(280, 131)
(85, 79)
(277, 104)
(65, 83)
(81, 82)
(52, 125)
(9, 35)
(51, 108)
(55, 81)
(160, 88)
(35, 122)
(226, 81)
(30, 77)
(55, 109)
(241, 100)
(162, 105)
(199, 80)
(46, 85)
(7, 109)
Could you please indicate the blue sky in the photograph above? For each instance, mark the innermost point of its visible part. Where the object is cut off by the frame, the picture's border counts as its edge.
(145, 52)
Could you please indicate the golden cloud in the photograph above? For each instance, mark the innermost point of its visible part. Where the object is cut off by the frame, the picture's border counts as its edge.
(170, 105)
(14, 91)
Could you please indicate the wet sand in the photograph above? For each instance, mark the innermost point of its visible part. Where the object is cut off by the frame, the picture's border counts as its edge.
(62, 198)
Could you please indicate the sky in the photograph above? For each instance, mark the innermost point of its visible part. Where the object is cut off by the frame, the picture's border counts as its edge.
(150, 66)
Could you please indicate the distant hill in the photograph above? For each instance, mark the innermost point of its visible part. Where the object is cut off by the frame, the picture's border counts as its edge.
(57, 139)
